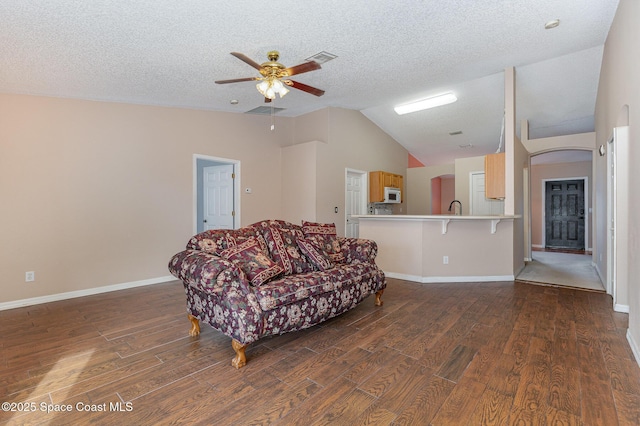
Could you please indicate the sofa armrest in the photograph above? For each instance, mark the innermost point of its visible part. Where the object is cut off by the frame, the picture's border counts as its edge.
(207, 272)
(358, 250)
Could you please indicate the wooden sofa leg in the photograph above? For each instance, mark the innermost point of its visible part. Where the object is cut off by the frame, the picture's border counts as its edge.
(240, 359)
(195, 326)
(379, 301)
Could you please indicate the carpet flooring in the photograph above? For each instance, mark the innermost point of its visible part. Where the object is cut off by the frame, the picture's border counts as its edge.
(562, 269)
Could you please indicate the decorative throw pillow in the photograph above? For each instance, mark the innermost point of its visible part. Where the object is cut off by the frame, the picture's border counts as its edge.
(253, 261)
(315, 254)
(239, 236)
(325, 236)
(284, 250)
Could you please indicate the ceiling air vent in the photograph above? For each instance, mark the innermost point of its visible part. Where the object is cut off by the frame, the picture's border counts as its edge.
(321, 57)
(265, 110)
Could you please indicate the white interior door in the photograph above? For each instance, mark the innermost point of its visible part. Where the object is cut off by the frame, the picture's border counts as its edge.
(218, 197)
(356, 200)
(479, 204)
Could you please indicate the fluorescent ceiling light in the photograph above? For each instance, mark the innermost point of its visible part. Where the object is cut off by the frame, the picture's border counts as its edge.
(434, 101)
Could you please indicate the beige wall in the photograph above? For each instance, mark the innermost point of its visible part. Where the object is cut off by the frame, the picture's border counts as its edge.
(299, 182)
(618, 104)
(343, 139)
(464, 168)
(436, 195)
(447, 193)
(584, 141)
(418, 187)
(556, 171)
(98, 194)
(356, 143)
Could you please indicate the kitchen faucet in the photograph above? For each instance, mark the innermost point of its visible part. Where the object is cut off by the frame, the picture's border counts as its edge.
(451, 205)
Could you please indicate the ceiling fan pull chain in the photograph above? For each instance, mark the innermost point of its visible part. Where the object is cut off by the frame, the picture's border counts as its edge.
(273, 124)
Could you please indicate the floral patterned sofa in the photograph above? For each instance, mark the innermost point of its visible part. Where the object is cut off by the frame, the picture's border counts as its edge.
(273, 277)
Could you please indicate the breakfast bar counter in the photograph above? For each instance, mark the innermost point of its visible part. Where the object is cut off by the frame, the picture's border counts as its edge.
(443, 248)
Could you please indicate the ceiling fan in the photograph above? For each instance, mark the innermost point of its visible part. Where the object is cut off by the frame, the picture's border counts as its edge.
(274, 76)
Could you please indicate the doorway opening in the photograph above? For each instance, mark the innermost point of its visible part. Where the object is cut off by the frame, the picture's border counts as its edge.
(356, 197)
(559, 167)
(216, 187)
(443, 192)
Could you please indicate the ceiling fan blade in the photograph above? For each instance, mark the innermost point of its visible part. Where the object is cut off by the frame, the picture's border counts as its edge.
(305, 88)
(304, 67)
(236, 80)
(246, 59)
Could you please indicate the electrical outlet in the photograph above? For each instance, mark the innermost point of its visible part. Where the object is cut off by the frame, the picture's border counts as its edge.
(29, 276)
(445, 260)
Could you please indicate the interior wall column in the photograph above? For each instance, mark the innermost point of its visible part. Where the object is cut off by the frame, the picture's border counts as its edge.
(509, 141)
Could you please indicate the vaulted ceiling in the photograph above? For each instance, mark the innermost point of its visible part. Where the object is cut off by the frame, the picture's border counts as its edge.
(163, 52)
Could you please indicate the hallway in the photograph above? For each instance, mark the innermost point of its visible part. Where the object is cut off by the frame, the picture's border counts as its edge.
(562, 269)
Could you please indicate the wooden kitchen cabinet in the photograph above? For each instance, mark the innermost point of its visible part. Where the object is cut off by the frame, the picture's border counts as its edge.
(494, 180)
(378, 180)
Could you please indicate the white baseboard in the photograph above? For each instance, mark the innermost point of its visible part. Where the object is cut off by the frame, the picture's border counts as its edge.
(80, 293)
(634, 347)
(621, 308)
(463, 279)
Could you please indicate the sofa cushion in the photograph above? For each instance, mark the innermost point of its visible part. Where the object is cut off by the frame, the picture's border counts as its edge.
(292, 288)
(324, 235)
(253, 261)
(315, 254)
(284, 250)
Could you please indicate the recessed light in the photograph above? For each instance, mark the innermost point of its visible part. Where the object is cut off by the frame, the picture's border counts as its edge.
(434, 101)
(551, 24)
(233, 102)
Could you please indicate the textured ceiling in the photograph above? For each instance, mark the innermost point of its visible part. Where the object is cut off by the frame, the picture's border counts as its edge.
(162, 52)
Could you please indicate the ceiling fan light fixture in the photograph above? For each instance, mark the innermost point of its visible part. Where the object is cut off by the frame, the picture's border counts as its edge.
(283, 91)
(262, 87)
(270, 87)
(434, 101)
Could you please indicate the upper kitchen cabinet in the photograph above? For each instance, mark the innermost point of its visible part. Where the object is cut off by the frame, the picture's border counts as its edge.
(378, 180)
(494, 178)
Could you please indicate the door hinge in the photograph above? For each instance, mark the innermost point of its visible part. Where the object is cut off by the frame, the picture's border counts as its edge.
(233, 212)
(233, 175)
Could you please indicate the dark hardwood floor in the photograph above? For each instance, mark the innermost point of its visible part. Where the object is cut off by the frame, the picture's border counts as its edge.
(461, 353)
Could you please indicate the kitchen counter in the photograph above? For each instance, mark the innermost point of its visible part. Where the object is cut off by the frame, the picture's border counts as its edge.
(443, 248)
(444, 219)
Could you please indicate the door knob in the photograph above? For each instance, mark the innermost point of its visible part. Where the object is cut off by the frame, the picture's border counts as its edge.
(205, 221)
